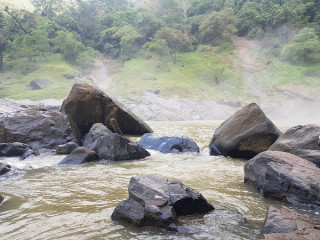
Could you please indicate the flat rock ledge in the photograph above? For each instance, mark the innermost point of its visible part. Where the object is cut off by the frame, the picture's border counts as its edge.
(155, 200)
(284, 223)
(285, 176)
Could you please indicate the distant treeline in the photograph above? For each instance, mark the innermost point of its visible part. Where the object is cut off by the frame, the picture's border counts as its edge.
(79, 29)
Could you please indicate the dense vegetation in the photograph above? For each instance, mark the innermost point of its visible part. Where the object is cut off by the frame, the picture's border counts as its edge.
(79, 30)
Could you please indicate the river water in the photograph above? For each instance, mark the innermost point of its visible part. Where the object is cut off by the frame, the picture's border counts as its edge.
(47, 201)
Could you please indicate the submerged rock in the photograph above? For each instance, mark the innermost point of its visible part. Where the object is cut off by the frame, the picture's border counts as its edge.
(37, 126)
(155, 200)
(80, 155)
(4, 168)
(15, 149)
(301, 141)
(286, 223)
(245, 134)
(284, 176)
(168, 144)
(29, 153)
(111, 146)
(66, 148)
(86, 106)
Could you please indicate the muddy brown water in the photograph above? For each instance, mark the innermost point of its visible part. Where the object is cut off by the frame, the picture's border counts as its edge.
(47, 201)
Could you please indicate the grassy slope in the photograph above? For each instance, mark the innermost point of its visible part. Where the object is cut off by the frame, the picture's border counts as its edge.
(189, 78)
(15, 85)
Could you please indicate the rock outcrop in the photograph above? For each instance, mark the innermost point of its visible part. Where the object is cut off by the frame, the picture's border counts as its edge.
(4, 168)
(38, 84)
(286, 223)
(284, 176)
(86, 106)
(66, 148)
(111, 146)
(15, 149)
(301, 141)
(155, 200)
(168, 144)
(80, 155)
(37, 126)
(245, 134)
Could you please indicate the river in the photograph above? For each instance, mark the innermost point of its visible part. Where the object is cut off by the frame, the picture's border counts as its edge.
(47, 201)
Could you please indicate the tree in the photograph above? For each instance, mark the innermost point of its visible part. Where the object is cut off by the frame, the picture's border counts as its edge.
(176, 41)
(66, 44)
(217, 27)
(184, 5)
(305, 47)
(160, 48)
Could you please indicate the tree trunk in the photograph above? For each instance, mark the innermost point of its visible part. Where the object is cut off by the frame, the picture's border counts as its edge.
(1, 60)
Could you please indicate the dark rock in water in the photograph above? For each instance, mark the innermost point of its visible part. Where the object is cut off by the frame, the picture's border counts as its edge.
(15, 149)
(38, 84)
(66, 148)
(155, 200)
(168, 144)
(86, 106)
(1, 199)
(80, 155)
(39, 127)
(245, 134)
(285, 223)
(111, 146)
(4, 168)
(284, 176)
(28, 153)
(301, 141)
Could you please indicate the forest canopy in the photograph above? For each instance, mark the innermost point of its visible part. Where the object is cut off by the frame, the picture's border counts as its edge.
(121, 29)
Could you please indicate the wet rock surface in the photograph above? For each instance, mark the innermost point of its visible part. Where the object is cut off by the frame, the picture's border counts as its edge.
(284, 176)
(79, 156)
(168, 144)
(36, 125)
(155, 200)
(66, 148)
(4, 168)
(15, 149)
(111, 146)
(301, 141)
(86, 106)
(285, 223)
(245, 134)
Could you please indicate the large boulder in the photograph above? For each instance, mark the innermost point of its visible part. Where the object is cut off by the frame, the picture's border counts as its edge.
(37, 126)
(168, 144)
(285, 223)
(80, 155)
(111, 146)
(4, 168)
(15, 149)
(284, 176)
(301, 141)
(86, 106)
(245, 134)
(155, 200)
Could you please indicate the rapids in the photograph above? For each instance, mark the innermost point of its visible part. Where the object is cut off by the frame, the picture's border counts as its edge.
(47, 201)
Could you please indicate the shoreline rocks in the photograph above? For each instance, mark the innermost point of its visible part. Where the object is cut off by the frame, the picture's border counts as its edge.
(301, 141)
(168, 144)
(285, 223)
(284, 176)
(38, 126)
(4, 168)
(245, 134)
(155, 200)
